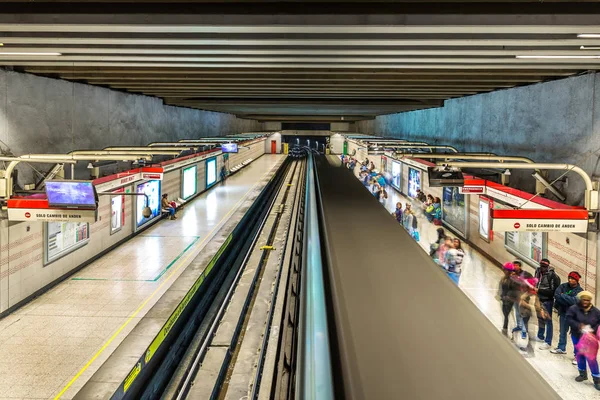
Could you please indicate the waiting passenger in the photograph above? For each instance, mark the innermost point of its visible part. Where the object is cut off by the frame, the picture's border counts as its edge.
(166, 204)
(548, 282)
(528, 300)
(381, 181)
(407, 217)
(584, 319)
(565, 296)
(437, 211)
(520, 276)
(421, 196)
(398, 212)
(224, 173)
(509, 293)
(434, 247)
(444, 247)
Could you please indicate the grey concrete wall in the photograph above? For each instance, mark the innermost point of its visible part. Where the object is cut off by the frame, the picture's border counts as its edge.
(42, 115)
(549, 122)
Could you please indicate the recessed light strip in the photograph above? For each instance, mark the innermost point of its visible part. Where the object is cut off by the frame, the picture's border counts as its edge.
(589, 48)
(25, 53)
(589, 35)
(590, 57)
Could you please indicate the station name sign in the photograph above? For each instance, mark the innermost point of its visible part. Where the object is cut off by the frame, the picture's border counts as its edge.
(49, 215)
(471, 190)
(575, 221)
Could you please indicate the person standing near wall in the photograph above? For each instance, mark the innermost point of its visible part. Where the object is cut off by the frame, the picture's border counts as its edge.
(584, 320)
(565, 296)
(548, 282)
(508, 293)
(520, 276)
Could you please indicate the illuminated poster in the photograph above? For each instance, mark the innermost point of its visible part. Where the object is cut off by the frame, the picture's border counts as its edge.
(454, 211)
(484, 218)
(396, 174)
(117, 208)
(211, 172)
(65, 237)
(152, 190)
(189, 187)
(414, 182)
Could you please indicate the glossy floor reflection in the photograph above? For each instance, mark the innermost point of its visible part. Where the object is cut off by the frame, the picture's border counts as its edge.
(44, 344)
(479, 281)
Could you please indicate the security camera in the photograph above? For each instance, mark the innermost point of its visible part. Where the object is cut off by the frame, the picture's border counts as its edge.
(147, 212)
(548, 186)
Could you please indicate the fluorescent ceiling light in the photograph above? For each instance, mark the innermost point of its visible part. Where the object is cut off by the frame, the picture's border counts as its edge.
(559, 57)
(589, 35)
(21, 53)
(589, 48)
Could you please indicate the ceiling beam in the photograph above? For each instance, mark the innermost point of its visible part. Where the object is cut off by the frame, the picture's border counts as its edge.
(299, 29)
(287, 42)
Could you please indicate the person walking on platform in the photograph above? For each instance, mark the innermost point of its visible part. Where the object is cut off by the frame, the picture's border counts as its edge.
(453, 260)
(565, 296)
(519, 276)
(508, 294)
(548, 282)
(584, 319)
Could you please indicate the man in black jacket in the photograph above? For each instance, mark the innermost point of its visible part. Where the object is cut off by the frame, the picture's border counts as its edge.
(565, 296)
(548, 281)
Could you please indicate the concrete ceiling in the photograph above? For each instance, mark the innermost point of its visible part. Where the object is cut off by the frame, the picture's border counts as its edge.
(301, 61)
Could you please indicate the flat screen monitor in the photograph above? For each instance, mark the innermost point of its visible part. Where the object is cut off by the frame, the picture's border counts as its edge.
(229, 147)
(414, 182)
(211, 172)
(152, 190)
(443, 177)
(189, 186)
(71, 194)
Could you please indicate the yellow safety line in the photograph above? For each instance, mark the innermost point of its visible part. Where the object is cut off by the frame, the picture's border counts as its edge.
(139, 309)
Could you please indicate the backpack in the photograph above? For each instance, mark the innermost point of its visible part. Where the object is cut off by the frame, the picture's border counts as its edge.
(414, 222)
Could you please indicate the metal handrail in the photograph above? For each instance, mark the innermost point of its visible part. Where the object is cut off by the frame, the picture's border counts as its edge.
(314, 373)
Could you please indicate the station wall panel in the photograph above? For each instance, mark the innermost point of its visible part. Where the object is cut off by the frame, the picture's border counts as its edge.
(22, 245)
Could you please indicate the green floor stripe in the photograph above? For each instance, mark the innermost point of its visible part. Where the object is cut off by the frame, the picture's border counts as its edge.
(196, 238)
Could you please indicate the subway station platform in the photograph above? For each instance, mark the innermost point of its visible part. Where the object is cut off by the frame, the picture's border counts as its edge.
(480, 281)
(53, 345)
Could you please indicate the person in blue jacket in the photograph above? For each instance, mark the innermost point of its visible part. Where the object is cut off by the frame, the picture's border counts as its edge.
(565, 296)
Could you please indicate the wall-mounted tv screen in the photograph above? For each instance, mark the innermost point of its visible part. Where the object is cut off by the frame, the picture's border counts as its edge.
(71, 194)
(229, 147)
(152, 190)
